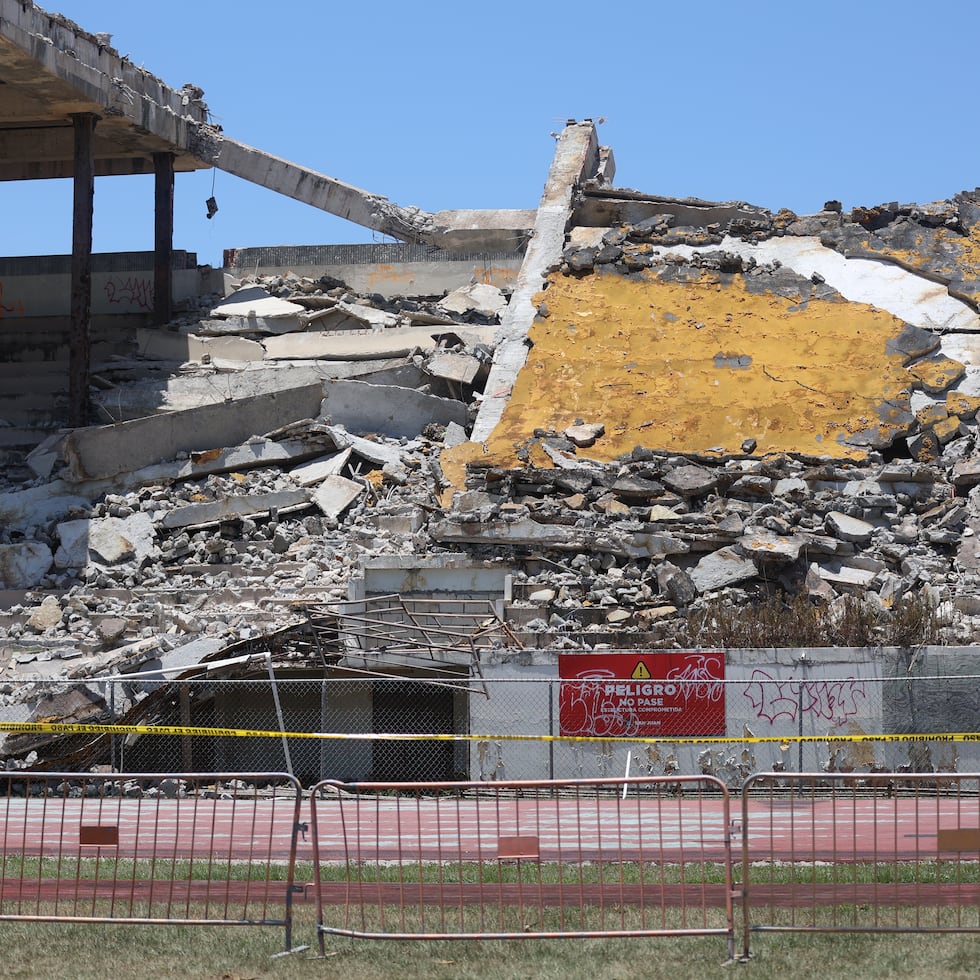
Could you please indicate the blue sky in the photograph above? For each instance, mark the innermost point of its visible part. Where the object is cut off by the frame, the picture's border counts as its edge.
(450, 105)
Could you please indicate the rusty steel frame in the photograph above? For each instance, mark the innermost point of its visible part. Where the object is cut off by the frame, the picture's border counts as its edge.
(861, 852)
(586, 858)
(411, 626)
(74, 847)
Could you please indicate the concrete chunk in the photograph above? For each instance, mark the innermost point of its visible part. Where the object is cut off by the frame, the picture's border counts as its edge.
(106, 541)
(319, 469)
(386, 409)
(461, 368)
(336, 494)
(396, 342)
(720, 569)
(255, 301)
(478, 297)
(848, 528)
(213, 512)
(99, 452)
(764, 546)
(23, 565)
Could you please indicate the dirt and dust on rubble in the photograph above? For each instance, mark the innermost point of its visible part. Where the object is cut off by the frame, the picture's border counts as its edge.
(706, 425)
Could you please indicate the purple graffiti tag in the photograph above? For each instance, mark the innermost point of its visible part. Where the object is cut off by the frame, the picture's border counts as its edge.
(833, 701)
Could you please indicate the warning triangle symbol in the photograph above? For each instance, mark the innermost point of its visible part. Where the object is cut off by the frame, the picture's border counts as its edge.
(640, 672)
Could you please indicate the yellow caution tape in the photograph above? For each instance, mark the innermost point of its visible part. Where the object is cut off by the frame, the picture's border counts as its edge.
(55, 728)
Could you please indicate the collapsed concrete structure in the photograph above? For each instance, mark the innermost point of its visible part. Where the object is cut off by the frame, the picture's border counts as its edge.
(606, 418)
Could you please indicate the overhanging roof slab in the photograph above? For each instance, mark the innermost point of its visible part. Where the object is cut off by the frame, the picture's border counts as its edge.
(50, 69)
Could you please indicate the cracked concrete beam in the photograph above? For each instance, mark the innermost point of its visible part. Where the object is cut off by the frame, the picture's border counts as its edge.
(576, 158)
(305, 185)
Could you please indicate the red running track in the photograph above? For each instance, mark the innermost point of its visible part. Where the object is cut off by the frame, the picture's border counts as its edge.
(391, 828)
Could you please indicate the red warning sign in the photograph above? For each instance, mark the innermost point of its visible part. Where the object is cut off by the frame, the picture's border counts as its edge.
(642, 694)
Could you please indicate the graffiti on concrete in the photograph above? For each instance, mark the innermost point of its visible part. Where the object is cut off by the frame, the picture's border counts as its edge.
(17, 307)
(130, 291)
(698, 678)
(834, 701)
(593, 711)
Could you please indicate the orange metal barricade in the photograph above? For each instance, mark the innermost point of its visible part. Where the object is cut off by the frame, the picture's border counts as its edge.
(883, 852)
(646, 856)
(180, 848)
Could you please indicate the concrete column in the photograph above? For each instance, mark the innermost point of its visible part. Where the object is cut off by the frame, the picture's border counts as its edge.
(163, 238)
(576, 159)
(81, 269)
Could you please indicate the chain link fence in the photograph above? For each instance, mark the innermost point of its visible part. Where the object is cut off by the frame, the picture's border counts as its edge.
(490, 728)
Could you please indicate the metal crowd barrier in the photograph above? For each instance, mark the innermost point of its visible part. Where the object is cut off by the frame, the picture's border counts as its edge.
(866, 852)
(152, 848)
(644, 856)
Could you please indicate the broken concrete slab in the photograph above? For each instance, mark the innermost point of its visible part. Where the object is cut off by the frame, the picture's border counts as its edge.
(246, 326)
(318, 470)
(459, 368)
(478, 297)
(187, 391)
(24, 564)
(455, 435)
(335, 494)
(105, 541)
(35, 506)
(353, 316)
(525, 531)
(185, 347)
(720, 569)
(585, 434)
(213, 512)
(765, 546)
(396, 342)
(100, 452)
(373, 452)
(255, 301)
(848, 528)
(386, 409)
(691, 480)
(576, 159)
(844, 576)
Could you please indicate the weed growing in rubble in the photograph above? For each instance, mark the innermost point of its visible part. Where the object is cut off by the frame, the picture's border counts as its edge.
(799, 622)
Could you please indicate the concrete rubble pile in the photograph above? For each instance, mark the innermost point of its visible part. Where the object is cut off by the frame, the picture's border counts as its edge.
(269, 442)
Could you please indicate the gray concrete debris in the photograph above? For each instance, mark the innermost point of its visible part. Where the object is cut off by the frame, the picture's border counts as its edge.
(254, 301)
(848, 528)
(208, 514)
(317, 470)
(766, 547)
(100, 452)
(478, 297)
(105, 541)
(248, 508)
(24, 565)
(584, 434)
(47, 615)
(335, 494)
(720, 569)
(459, 368)
(386, 409)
